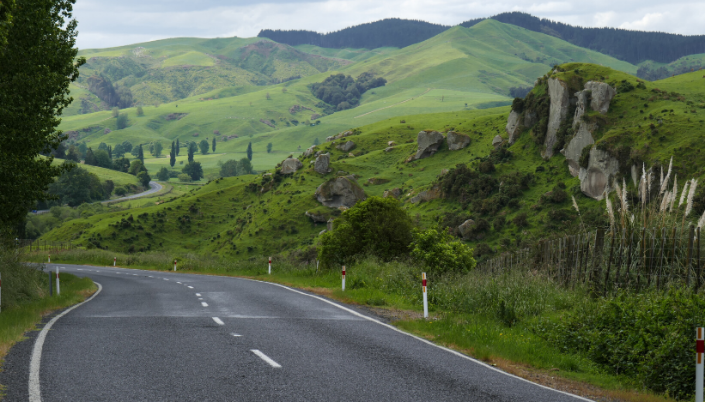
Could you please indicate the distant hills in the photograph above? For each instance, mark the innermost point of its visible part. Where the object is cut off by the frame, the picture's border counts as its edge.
(632, 46)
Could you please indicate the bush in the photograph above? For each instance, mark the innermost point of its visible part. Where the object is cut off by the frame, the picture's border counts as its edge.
(486, 167)
(120, 191)
(521, 220)
(440, 253)
(377, 226)
(122, 121)
(163, 174)
(22, 282)
(184, 178)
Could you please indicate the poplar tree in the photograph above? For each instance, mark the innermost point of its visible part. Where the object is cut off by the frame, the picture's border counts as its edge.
(213, 144)
(172, 155)
(140, 155)
(249, 151)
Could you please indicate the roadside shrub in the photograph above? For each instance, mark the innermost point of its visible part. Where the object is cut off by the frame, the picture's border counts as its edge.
(377, 226)
(440, 253)
(120, 191)
(21, 282)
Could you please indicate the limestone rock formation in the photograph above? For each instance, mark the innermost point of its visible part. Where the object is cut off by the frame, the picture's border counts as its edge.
(560, 100)
(466, 227)
(530, 118)
(601, 96)
(457, 141)
(340, 192)
(316, 218)
(347, 147)
(388, 149)
(601, 170)
(497, 141)
(339, 136)
(428, 142)
(395, 193)
(513, 126)
(322, 162)
(308, 152)
(428, 195)
(391, 143)
(291, 165)
(574, 149)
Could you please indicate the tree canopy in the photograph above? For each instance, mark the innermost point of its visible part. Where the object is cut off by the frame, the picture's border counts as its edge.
(343, 92)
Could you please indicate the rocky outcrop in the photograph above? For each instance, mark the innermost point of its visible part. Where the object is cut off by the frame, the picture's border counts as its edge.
(308, 152)
(322, 162)
(291, 165)
(340, 192)
(574, 149)
(513, 126)
(316, 218)
(457, 141)
(601, 170)
(466, 227)
(347, 147)
(388, 149)
(395, 193)
(601, 96)
(429, 142)
(391, 143)
(497, 141)
(428, 195)
(530, 118)
(560, 100)
(339, 136)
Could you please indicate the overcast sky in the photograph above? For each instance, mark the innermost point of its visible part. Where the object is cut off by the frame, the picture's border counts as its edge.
(115, 23)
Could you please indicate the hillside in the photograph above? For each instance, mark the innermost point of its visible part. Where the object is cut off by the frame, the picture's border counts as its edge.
(459, 70)
(256, 215)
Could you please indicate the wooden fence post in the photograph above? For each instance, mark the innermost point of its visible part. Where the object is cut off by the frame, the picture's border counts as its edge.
(597, 258)
(609, 263)
(690, 254)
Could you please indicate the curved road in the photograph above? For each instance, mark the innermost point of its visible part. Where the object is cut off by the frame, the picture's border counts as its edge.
(153, 188)
(164, 336)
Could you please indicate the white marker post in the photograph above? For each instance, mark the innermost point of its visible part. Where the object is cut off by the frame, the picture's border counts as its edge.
(49, 259)
(174, 265)
(58, 286)
(343, 278)
(699, 350)
(425, 295)
(270, 265)
(114, 261)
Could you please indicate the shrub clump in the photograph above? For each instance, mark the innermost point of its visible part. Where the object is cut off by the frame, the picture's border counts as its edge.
(440, 253)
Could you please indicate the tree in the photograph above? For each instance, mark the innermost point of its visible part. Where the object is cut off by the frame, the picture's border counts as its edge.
(194, 170)
(102, 159)
(213, 144)
(157, 149)
(140, 112)
(316, 141)
(249, 151)
(204, 146)
(136, 167)
(178, 146)
(144, 178)
(76, 186)
(116, 112)
(73, 154)
(140, 154)
(440, 252)
(121, 165)
(378, 226)
(82, 149)
(191, 151)
(108, 187)
(163, 174)
(38, 59)
(90, 158)
(172, 155)
(244, 166)
(110, 151)
(269, 147)
(103, 146)
(229, 168)
(122, 121)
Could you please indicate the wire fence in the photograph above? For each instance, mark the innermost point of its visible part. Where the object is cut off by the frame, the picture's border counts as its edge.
(609, 260)
(30, 246)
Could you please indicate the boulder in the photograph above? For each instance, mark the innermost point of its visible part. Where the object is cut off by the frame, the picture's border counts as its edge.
(574, 149)
(428, 142)
(308, 152)
(339, 136)
(513, 126)
(560, 101)
(388, 149)
(457, 141)
(322, 162)
(316, 218)
(391, 143)
(466, 227)
(340, 192)
(347, 147)
(600, 172)
(395, 193)
(291, 165)
(497, 141)
(601, 96)
(428, 195)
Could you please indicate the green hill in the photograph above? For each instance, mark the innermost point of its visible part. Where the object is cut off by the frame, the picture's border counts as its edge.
(518, 198)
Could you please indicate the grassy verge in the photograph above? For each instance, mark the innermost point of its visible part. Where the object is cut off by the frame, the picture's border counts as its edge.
(491, 318)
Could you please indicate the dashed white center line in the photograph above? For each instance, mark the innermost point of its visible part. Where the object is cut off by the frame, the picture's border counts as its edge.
(79, 269)
(218, 321)
(200, 298)
(151, 276)
(179, 283)
(165, 279)
(204, 304)
(198, 294)
(266, 358)
(234, 334)
(190, 287)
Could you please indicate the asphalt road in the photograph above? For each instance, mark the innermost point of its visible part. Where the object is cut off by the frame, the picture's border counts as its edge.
(156, 336)
(153, 188)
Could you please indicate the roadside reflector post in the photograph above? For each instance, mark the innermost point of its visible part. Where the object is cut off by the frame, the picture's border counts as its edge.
(58, 285)
(425, 295)
(174, 265)
(49, 259)
(114, 261)
(699, 362)
(343, 278)
(270, 265)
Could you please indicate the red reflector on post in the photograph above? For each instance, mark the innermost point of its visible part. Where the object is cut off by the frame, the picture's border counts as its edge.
(424, 282)
(700, 346)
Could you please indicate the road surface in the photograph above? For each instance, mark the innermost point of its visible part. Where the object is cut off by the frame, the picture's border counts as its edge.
(153, 188)
(164, 336)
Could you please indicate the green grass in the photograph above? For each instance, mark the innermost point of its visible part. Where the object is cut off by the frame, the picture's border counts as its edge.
(119, 178)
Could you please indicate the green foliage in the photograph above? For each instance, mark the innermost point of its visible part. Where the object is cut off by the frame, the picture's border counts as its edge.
(244, 166)
(249, 151)
(122, 121)
(102, 159)
(140, 154)
(135, 167)
(156, 149)
(269, 147)
(229, 168)
(194, 170)
(585, 157)
(140, 111)
(376, 226)
(163, 174)
(440, 252)
(21, 282)
(184, 178)
(625, 86)
(76, 186)
(213, 145)
(344, 92)
(172, 155)
(204, 147)
(144, 178)
(192, 147)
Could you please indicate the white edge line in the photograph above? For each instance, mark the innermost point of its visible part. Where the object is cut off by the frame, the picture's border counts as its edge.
(423, 340)
(218, 321)
(204, 304)
(234, 334)
(35, 391)
(266, 358)
(190, 287)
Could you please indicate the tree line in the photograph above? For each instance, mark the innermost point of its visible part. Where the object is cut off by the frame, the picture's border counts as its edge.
(343, 92)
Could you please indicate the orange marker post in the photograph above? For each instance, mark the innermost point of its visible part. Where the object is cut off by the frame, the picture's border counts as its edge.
(425, 295)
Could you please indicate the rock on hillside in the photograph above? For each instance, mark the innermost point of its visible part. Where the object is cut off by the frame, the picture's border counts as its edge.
(347, 147)
(291, 165)
(560, 100)
(600, 171)
(457, 141)
(340, 192)
(322, 163)
(513, 126)
(429, 142)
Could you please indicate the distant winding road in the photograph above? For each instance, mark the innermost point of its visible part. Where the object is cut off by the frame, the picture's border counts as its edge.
(153, 188)
(167, 336)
